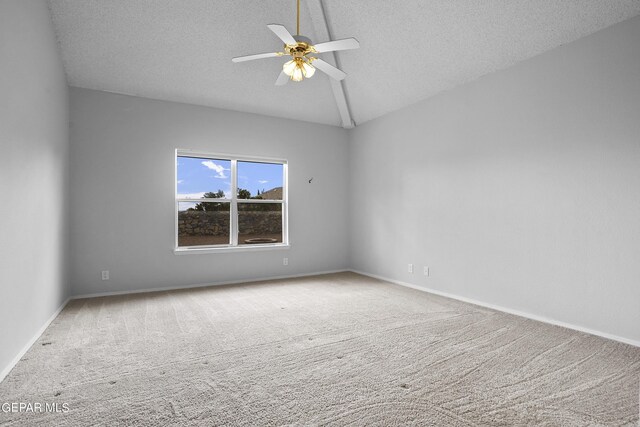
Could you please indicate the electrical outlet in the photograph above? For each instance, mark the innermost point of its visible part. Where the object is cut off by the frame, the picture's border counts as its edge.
(105, 275)
(285, 261)
(410, 268)
(426, 271)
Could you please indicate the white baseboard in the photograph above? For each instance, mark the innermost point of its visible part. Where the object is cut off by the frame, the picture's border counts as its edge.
(504, 309)
(204, 285)
(33, 339)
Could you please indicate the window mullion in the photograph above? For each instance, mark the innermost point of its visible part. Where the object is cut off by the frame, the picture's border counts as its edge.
(285, 207)
(257, 201)
(234, 202)
(203, 200)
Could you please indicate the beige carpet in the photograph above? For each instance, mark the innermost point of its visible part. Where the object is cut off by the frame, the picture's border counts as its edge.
(338, 349)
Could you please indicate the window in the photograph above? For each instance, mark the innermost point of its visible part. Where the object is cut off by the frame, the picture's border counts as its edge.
(230, 202)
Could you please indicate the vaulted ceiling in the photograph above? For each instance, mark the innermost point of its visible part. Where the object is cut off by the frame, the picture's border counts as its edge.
(181, 50)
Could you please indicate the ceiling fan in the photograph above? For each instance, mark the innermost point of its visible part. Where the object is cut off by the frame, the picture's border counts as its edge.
(300, 48)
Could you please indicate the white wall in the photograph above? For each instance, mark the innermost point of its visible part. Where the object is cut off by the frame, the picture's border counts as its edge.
(33, 175)
(122, 165)
(520, 190)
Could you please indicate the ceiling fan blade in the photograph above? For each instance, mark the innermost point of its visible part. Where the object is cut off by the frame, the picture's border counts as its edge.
(282, 33)
(332, 46)
(329, 69)
(283, 79)
(256, 56)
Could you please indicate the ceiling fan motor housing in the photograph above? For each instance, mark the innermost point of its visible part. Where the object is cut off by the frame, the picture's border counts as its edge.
(302, 48)
(302, 39)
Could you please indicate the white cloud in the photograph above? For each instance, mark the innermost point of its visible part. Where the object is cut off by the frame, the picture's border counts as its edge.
(180, 181)
(217, 168)
(195, 196)
(262, 181)
(190, 195)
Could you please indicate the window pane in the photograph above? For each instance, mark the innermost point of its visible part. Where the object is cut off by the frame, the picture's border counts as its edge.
(203, 223)
(260, 180)
(200, 177)
(259, 223)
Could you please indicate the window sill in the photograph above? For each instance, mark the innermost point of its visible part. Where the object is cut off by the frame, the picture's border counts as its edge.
(230, 249)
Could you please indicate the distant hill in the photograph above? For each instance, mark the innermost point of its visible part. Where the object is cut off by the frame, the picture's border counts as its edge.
(273, 194)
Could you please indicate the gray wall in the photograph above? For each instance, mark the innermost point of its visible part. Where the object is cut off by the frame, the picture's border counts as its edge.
(33, 181)
(122, 161)
(520, 190)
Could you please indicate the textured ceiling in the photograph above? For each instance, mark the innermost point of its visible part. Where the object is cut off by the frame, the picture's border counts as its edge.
(181, 50)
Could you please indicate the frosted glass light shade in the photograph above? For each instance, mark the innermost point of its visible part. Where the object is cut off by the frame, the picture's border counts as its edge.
(289, 67)
(297, 75)
(308, 70)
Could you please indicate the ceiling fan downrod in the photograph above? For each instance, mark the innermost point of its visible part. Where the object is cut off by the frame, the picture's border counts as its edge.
(298, 20)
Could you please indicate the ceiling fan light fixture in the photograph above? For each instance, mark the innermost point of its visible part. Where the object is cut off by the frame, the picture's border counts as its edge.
(289, 67)
(298, 69)
(308, 70)
(298, 74)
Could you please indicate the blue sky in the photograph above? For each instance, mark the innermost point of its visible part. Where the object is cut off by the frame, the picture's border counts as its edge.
(197, 176)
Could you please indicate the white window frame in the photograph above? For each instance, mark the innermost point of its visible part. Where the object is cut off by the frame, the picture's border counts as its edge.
(233, 201)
